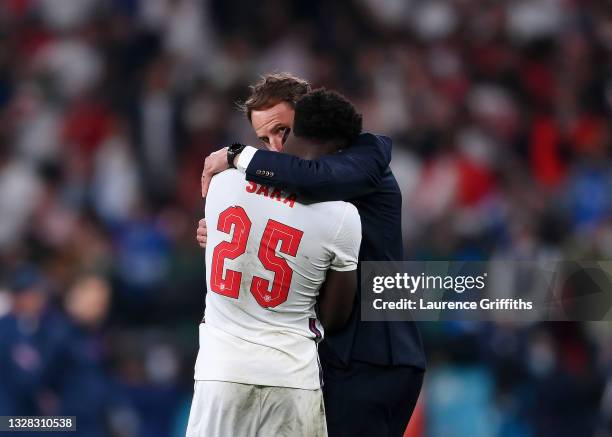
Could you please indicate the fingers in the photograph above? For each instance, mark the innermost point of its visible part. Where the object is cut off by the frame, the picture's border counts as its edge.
(202, 233)
(202, 240)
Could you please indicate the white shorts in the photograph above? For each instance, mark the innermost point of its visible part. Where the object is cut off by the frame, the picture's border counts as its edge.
(222, 409)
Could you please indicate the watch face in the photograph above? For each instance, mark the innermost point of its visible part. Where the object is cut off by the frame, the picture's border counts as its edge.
(232, 151)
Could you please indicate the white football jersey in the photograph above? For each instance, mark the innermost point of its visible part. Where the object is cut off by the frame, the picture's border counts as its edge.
(267, 255)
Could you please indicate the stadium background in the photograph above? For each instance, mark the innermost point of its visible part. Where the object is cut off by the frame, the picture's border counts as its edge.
(500, 114)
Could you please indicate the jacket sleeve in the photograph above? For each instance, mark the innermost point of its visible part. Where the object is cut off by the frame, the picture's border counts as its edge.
(353, 172)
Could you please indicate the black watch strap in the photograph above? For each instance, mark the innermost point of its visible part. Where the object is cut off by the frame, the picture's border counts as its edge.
(232, 151)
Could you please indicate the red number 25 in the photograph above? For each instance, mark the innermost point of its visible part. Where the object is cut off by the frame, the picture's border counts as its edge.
(274, 233)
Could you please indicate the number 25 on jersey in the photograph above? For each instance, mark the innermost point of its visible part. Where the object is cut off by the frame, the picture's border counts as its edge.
(274, 233)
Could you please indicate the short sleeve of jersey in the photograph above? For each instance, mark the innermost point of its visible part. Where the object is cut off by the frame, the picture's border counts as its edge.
(346, 245)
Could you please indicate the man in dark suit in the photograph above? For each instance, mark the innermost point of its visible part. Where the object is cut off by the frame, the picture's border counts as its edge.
(372, 371)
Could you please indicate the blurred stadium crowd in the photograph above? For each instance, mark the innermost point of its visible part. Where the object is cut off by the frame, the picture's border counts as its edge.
(500, 112)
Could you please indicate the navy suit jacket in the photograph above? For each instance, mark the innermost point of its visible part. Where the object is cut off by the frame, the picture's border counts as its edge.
(361, 175)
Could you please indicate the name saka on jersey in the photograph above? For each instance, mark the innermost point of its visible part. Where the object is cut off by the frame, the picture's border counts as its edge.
(266, 259)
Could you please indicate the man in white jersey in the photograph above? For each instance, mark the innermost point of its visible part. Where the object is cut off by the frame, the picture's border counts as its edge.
(268, 256)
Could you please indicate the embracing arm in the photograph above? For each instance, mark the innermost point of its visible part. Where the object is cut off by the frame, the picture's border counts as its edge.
(337, 295)
(354, 172)
(336, 299)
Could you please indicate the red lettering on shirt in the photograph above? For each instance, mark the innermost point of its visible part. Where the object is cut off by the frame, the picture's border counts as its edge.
(290, 200)
(276, 194)
(263, 189)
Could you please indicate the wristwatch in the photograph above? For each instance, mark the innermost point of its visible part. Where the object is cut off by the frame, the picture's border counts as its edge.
(232, 151)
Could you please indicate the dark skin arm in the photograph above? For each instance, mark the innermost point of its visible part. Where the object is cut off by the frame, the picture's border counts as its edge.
(336, 299)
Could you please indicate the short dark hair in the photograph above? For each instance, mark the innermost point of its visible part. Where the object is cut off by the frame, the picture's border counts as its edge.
(325, 116)
(272, 89)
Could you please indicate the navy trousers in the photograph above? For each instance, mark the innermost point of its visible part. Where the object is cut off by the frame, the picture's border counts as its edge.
(364, 399)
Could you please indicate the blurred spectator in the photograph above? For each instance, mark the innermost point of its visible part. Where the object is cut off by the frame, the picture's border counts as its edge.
(19, 189)
(79, 371)
(149, 382)
(500, 115)
(24, 344)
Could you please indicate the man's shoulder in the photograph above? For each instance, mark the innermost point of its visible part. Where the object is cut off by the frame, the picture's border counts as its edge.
(372, 145)
(229, 174)
(330, 215)
(373, 139)
(225, 187)
(224, 180)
